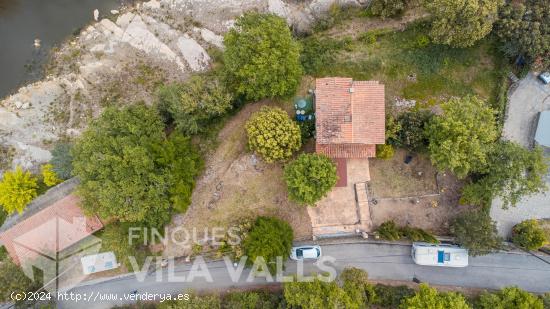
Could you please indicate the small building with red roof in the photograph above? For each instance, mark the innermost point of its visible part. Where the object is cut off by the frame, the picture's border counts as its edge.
(50, 224)
(350, 120)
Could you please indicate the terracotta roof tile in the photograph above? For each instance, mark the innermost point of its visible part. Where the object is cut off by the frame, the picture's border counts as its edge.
(38, 232)
(349, 112)
(347, 151)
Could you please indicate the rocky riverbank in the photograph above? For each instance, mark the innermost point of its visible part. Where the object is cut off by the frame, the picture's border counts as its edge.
(122, 59)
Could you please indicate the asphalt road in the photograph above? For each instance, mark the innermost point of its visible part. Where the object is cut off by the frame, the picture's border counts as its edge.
(382, 261)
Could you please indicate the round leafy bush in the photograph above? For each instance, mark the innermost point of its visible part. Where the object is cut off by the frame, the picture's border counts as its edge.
(272, 134)
(388, 230)
(268, 238)
(309, 178)
(384, 151)
(528, 235)
(261, 58)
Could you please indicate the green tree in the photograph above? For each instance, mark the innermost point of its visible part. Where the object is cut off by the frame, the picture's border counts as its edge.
(127, 167)
(268, 238)
(460, 139)
(476, 231)
(509, 298)
(512, 172)
(523, 29)
(13, 280)
(251, 300)
(529, 235)
(194, 302)
(261, 58)
(193, 104)
(49, 176)
(317, 294)
(430, 298)
(272, 134)
(461, 23)
(115, 238)
(309, 178)
(384, 151)
(387, 8)
(411, 131)
(355, 283)
(17, 190)
(62, 160)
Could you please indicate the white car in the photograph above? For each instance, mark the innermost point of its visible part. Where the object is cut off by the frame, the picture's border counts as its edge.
(306, 252)
(545, 77)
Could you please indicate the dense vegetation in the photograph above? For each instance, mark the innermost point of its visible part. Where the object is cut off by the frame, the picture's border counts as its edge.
(309, 178)
(476, 231)
(459, 140)
(17, 189)
(461, 23)
(261, 58)
(524, 30)
(192, 105)
(129, 169)
(390, 231)
(529, 235)
(268, 238)
(272, 134)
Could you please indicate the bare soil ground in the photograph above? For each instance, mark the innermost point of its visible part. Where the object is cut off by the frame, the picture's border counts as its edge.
(394, 178)
(238, 185)
(404, 196)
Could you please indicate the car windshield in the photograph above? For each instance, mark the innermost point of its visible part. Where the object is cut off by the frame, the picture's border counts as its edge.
(299, 252)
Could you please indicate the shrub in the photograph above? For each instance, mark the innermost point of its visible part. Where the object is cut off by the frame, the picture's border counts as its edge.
(309, 178)
(128, 169)
(49, 176)
(115, 237)
(211, 301)
(512, 173)
(355, 283)
(529, 235)
(268, 238)
(417, 234)
(428, 297)
(192, 105)
(388, 296)
(272, 134)
(476, 231)
(411, 131)
(384, 151)
(13, 280)
(307, 130)
(509, 297)
(317, 294)
(388, 230)
(460, 139)
(17, 190)
(251, 300)
(261, 58)
(387, 8)
(523, 29)
(62, 160)
(461, 23)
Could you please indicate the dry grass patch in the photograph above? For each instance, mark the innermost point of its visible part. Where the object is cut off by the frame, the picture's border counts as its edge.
(395, 178)
(237, 185)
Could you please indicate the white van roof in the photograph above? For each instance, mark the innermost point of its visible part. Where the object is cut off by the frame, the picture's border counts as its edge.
(440, 255)
(98, 262)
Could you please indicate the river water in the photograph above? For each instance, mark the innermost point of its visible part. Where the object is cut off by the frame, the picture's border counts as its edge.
(50, 21)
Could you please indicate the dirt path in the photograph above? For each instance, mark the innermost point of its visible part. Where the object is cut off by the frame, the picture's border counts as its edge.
(237, 185)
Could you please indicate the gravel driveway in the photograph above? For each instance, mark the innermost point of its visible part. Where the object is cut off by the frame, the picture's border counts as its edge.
(530, 98)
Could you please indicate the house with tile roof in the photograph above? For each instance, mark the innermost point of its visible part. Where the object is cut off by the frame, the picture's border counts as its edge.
(350, 120)
(50, 224)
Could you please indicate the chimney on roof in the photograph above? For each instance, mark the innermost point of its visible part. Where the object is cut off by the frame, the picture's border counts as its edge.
(351, 90)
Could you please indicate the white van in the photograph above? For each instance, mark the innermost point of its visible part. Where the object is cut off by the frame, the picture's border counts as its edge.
(439, 255)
